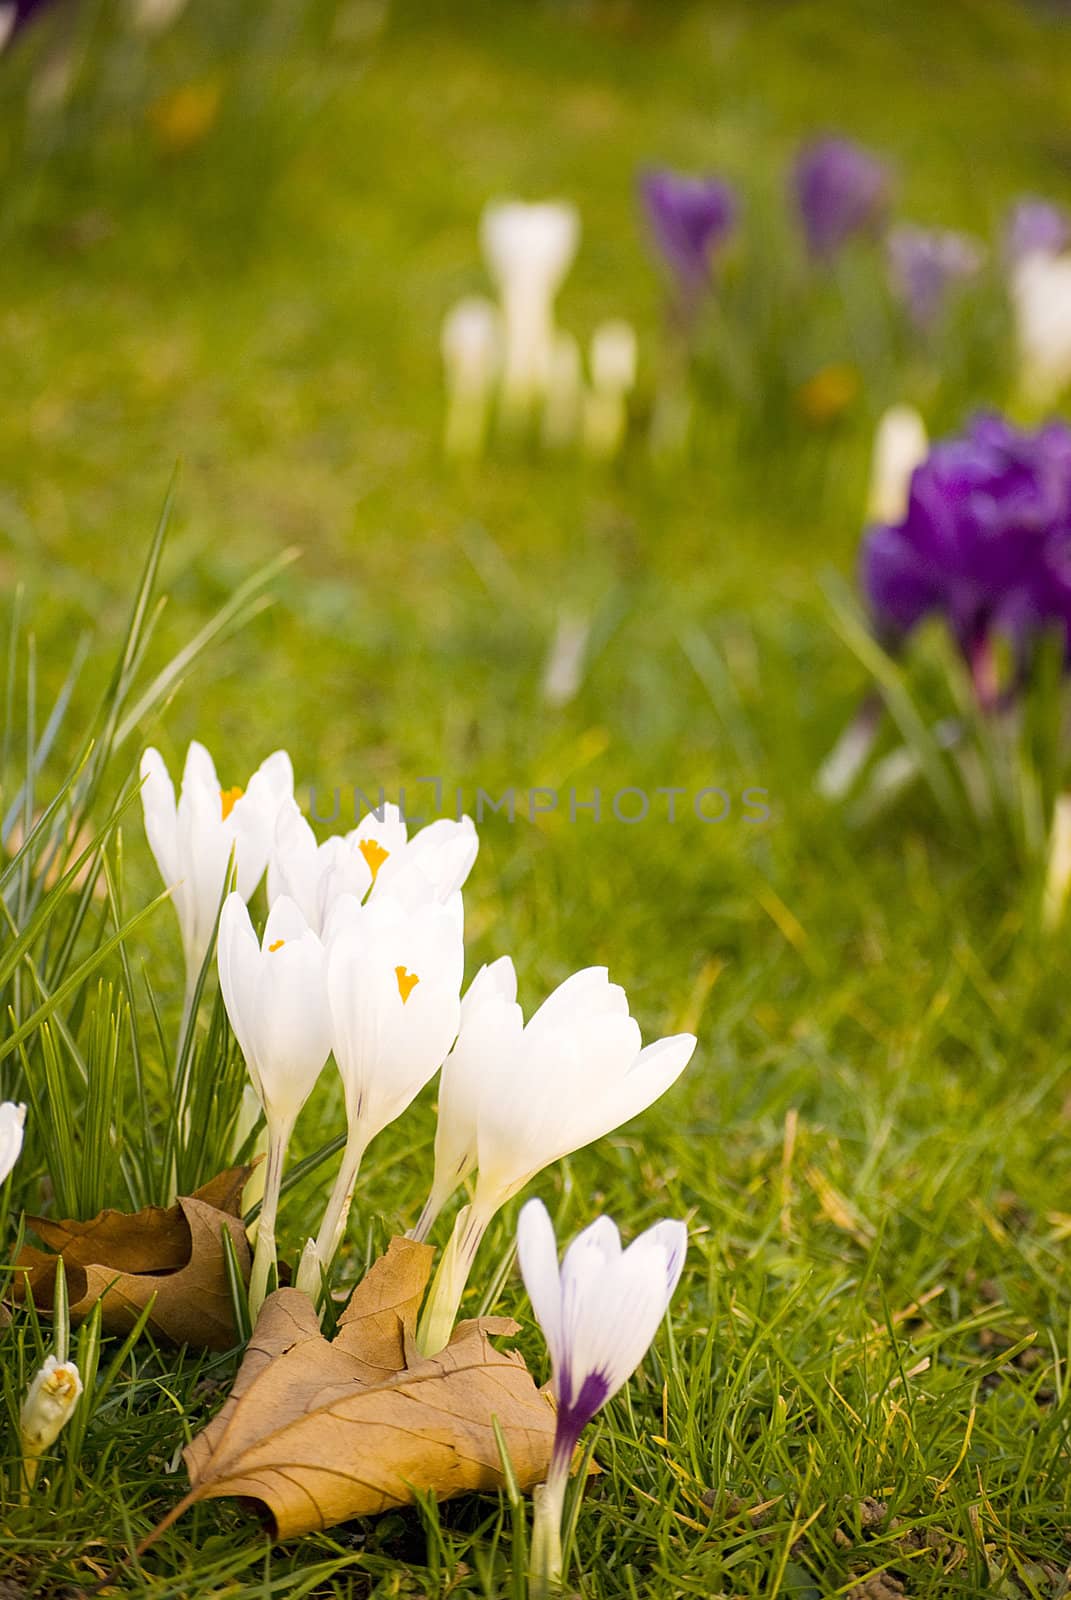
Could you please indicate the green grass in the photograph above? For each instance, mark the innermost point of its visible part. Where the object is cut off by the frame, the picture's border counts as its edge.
(873, 1143)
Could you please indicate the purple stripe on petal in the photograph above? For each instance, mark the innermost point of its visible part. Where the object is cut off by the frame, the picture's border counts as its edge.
(574, 1416)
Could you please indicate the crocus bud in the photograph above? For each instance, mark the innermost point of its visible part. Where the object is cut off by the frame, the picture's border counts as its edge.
(472, 355)
(900, 445)
(613, 374)
(12, 1121)
(46, 1410)
(565, 393)
(1041, 300)
(1058, 874)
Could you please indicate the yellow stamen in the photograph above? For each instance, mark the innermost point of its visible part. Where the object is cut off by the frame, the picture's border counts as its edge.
(228, 798)
(374, 854)
(278, 945)
(407, 982)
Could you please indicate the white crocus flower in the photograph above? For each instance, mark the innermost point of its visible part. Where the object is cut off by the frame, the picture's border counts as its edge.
(471, 344)
(193, 840)
(1058, 869)
(613, 376)
(12, 1123)
(576, 1072)
(393, 982)
(528, 249)
(1041, 300)
(564, 393)
(491, 1019)
(46, 1410)
(371, 860)
(275, 993)
(900, 445)
(599, 1313)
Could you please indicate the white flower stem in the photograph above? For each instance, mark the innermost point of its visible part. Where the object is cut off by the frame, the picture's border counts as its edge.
(428, 1217)
(337, 1214)
(437, 1322)
(264, 1258)
(545, 1574)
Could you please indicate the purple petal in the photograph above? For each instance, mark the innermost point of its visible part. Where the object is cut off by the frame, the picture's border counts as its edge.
(690, 219)
(840, 190)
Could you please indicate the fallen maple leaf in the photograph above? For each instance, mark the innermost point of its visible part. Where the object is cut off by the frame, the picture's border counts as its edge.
(323, 1430)
(125, 1259)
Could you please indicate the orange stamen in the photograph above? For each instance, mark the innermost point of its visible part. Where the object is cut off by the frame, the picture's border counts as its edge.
(374, 854)
(278, 945)
(407, 982)
(228, 798)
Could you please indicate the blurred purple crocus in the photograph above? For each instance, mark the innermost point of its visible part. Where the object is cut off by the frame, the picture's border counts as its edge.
(925, 264)
(841, 189)
(985, 543)
(690, 219)
(1035, 227)
(15, 14)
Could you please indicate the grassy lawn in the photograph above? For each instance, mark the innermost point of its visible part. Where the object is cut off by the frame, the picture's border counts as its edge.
(873, 1142)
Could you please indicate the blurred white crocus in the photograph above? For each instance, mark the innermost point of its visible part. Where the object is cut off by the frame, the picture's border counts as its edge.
(193, 840)
(374, 859)
(471, 344)
(528, 249)
(46, 1410)
(900, 445)
(1041, 300)
(1058, 867)
(393, 983)
(564, 393)
(12, 1124)
(275, 993)
(577, 1071)
(613, 377)
(599, 1313)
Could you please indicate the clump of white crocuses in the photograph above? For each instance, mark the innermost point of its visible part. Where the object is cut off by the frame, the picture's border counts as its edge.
(514, 1098)
(46, 1410)
(362, 957)
(599, 1313)
(515, 357)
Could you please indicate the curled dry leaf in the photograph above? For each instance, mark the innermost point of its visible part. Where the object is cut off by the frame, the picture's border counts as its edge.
(322, 1430)
(125, 1259)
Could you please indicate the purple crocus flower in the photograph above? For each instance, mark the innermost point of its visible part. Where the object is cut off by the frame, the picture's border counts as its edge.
(15, 14)
(925, 264)
(690, 219)
(840, 190)
(985, 543)
(1035, 227)
(599, 1313)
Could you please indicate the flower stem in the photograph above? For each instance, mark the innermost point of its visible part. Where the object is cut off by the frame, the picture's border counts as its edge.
(265, 1258)
(437, 1322)
(337, 1213)
(545, 1574)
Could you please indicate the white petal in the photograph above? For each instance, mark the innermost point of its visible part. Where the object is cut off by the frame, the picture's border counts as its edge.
(12, 1123)
(537, 1257)
(158, 807)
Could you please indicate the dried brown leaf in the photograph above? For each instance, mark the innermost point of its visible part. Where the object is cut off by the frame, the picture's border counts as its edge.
(319, 1431)
(172, 1256)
